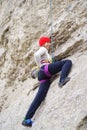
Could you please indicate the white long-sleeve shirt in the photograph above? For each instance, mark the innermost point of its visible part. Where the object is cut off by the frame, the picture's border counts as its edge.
(41, 56)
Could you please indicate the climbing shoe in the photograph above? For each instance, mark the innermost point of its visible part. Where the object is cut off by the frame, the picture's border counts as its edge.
(63, 82)
(27, 122)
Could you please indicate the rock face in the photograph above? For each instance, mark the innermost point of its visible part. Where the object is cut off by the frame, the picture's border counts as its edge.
(21, 25)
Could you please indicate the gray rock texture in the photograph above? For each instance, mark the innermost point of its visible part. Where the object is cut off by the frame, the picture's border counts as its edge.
(22, 23)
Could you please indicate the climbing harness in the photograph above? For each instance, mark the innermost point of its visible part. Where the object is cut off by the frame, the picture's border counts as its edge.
(46, 72)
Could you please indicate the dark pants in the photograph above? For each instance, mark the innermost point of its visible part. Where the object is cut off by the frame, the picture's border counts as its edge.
(64, 67)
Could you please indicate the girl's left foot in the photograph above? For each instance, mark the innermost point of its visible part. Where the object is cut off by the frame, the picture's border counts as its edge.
(27, 122)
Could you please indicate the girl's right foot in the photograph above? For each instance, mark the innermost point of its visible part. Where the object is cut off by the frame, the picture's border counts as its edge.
(64, 82)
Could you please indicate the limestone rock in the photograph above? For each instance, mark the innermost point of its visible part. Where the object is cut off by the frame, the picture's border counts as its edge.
(22, 23)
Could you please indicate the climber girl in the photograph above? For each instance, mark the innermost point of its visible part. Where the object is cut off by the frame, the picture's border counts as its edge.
(47, 69)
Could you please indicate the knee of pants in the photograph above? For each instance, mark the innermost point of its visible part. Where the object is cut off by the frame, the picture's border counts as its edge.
(69, 62)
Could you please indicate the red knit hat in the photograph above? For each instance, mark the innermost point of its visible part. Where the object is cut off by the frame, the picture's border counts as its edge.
(43, 40)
